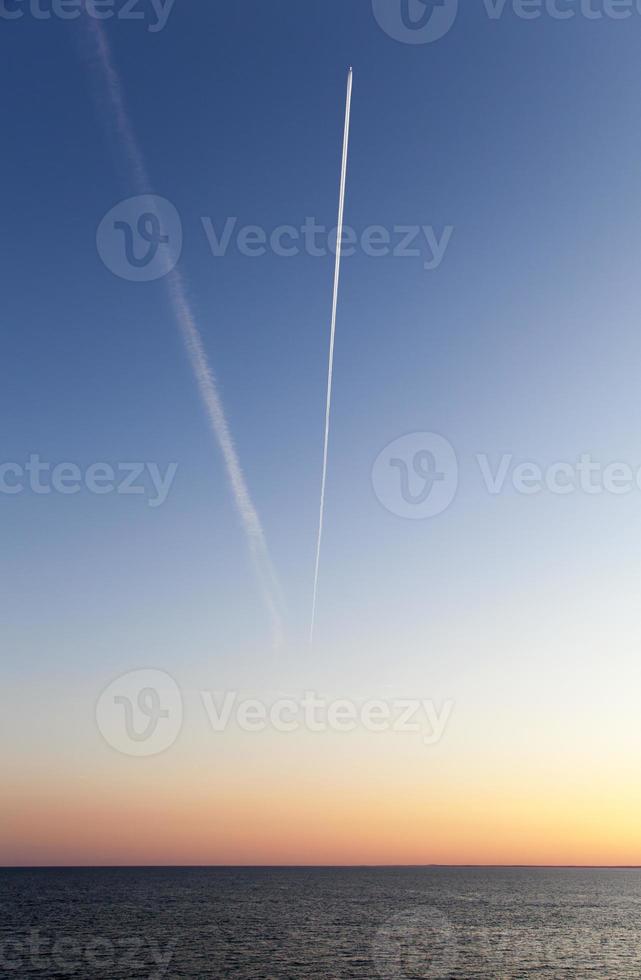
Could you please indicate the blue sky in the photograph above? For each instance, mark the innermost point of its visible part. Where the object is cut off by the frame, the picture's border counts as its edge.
(522, 339)
(522, 135)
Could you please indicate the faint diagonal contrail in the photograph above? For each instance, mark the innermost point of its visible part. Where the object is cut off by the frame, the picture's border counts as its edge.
(192, 338)
(332, 337)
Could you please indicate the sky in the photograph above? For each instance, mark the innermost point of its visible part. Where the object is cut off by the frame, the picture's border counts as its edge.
(511, 142)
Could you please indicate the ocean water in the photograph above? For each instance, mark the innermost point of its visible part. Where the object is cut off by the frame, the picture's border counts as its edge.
(298, 924)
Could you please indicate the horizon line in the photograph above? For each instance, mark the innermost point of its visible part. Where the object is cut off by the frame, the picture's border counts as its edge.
(312, 867)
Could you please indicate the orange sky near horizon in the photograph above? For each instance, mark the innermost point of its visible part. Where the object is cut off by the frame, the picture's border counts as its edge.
(549, 777)
(162, 817)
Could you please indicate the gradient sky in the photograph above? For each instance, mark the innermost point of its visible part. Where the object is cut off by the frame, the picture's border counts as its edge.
(524, 136)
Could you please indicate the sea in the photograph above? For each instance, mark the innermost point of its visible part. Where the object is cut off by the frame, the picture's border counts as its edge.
(320, 924)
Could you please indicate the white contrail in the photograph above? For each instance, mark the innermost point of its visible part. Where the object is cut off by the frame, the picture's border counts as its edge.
(192, 338)
(332, 337)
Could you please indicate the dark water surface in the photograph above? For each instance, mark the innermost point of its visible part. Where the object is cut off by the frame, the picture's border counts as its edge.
(280, 924)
